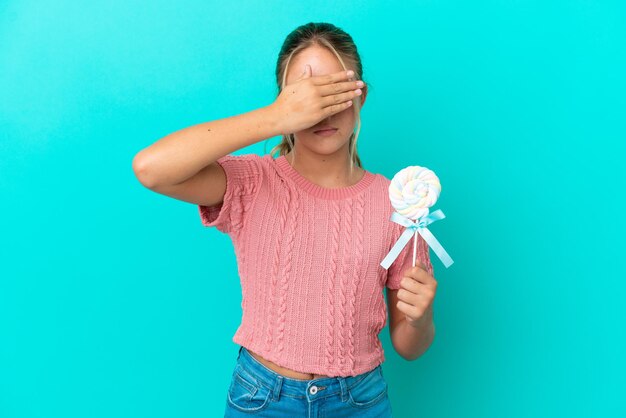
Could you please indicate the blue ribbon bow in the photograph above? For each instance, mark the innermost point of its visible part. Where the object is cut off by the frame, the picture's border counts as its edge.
(420, 227)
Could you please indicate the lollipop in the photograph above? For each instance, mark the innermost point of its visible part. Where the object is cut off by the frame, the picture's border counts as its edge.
(413, 190)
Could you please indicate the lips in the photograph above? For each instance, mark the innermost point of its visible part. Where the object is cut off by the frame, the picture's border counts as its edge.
(325, 128)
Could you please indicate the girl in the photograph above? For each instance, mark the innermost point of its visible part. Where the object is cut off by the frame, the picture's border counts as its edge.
(309, 229)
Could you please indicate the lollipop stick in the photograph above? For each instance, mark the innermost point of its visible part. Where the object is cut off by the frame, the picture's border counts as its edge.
(414, 247)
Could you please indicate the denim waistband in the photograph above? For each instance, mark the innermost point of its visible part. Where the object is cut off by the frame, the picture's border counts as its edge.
(296, 388)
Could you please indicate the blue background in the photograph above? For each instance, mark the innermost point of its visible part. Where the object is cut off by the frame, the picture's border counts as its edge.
(116, 302)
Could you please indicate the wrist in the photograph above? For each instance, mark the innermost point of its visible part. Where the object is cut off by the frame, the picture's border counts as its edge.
(274, 119)
(424, 321)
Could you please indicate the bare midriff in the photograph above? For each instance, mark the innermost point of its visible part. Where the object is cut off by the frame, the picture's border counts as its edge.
(285, 371)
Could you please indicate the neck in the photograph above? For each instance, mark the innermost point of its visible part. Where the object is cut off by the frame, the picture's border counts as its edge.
(325, 170)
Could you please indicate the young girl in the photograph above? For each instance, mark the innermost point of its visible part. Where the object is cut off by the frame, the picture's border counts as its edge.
(309, 229)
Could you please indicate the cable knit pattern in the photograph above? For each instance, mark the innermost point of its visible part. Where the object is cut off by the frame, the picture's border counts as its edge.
(331, 289)
(344, 288)
(279, 257)
(309, 264)
(286, 275)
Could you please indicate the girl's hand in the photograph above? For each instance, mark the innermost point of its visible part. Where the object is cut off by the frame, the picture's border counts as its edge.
(309, 100)
(416, 294)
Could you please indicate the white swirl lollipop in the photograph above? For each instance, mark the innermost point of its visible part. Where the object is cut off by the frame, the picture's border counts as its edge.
(413, 190)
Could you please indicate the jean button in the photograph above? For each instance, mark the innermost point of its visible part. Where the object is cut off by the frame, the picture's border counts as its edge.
(313, 390)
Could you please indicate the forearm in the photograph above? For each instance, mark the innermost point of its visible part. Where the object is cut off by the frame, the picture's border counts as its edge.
(181, 154)
(411, 341)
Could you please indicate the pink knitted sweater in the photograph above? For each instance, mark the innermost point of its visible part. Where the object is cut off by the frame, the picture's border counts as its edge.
(309, 264)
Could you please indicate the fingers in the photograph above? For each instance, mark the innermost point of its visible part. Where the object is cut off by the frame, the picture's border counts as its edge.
(420, 273)
(331, 110)
(342, 75)
(337, 93)
(306, 72)
(411, 289)
(336, 88)
(339, 98)
(408, 283)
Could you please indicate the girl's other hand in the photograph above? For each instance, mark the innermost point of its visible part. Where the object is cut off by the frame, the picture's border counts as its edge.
(416, 295)
(308, 100)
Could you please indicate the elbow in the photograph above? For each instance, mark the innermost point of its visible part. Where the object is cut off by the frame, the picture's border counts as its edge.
(416, 349)
(142, 171)
(412, 356)
(407, 356)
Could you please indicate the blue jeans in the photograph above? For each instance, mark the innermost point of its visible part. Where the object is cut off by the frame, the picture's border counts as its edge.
(257, 390)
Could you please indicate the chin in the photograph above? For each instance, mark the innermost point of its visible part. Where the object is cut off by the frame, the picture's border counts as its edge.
(324, 146)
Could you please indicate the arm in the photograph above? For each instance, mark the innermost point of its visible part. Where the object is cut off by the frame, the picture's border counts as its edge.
(411, 323)
(183, 164)
(408, 340)
(188, 155)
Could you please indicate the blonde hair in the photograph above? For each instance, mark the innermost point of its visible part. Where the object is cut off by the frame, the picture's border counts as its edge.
(339, 43)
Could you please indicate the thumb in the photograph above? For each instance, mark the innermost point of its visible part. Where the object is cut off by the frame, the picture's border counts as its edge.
(306, 73)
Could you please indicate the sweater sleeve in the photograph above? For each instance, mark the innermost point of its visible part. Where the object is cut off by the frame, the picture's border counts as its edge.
(243, 177)
(396, 270)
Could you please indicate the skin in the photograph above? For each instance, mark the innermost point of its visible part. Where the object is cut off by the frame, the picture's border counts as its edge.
(322, 160)
(325, 161)
(411, 321)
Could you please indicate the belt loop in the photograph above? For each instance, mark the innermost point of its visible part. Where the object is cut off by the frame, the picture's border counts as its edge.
(344, 388)
(278, 384)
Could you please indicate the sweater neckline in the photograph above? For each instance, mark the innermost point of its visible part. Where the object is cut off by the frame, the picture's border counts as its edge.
(323, 192)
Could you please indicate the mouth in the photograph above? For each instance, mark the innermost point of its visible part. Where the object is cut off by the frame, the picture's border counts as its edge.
(326, 131)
